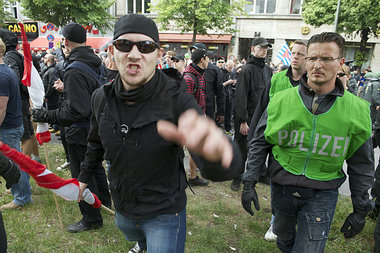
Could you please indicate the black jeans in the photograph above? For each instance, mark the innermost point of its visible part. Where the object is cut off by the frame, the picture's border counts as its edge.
(228, 113)
(241, 141)
(3, 236)
(97, 184)
(377, 236)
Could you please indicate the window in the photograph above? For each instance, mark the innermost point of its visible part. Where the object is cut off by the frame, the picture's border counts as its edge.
(261, 6)
(138, 6)
(14, 10)
(295, 6)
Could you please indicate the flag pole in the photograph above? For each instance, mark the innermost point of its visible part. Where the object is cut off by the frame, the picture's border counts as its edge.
(55, 197)
(108, 210)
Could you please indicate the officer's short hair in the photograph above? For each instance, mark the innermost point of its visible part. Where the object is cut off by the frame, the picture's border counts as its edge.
(300, 42)
(328, 37)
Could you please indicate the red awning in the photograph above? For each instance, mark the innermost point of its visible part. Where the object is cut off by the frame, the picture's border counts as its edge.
(94, 42)
(188, 37)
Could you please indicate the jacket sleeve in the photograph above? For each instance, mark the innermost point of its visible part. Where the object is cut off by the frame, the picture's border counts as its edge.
(242, 89)
(260, 108)
(77, 109)
(257, 153)
(51, 80)
(219, 92)
(14, 66)
(95, 152)
(188, 83)
(361, 175)
(209, 170)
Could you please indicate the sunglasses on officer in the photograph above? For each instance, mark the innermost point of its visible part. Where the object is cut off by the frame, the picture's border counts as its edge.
(341, 74)
(145, 46)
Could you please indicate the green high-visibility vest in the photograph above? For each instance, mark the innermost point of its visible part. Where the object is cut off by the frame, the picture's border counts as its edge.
(279, 82)
(316, 145)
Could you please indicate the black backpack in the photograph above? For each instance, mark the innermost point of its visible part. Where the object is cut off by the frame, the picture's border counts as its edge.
(83, 67)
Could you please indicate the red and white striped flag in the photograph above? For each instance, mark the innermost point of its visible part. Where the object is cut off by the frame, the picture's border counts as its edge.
(68, 189)
(36, 90)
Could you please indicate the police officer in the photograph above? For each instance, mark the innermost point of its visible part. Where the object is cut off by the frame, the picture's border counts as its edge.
(311, 135)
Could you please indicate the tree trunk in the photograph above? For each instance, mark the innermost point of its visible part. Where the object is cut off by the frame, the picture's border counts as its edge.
(361, 56)
(195, 29)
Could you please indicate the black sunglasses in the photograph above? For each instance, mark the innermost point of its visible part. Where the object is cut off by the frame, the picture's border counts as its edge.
(341, 74)
(144, 46)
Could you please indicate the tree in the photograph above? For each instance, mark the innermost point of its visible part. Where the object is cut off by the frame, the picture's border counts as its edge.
(356, 18)
(60, 13)
(199, 16)
(5, 16)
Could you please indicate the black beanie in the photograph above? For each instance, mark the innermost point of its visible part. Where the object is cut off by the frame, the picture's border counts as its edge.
(74, 32)
(136, 23)
(9, 38)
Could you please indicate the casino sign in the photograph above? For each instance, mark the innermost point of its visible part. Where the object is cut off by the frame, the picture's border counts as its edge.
(31, 29)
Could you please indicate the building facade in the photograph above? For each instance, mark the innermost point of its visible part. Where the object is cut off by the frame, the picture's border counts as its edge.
(279, 21)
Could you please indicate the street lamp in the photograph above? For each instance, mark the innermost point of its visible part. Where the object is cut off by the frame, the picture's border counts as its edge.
(336, 16)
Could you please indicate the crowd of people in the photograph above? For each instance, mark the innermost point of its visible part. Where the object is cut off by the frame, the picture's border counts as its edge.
(140, 109)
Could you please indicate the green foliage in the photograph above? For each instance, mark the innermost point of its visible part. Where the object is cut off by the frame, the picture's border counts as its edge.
(60, 13)
(356, 18)
(199, 16)
(5, 15)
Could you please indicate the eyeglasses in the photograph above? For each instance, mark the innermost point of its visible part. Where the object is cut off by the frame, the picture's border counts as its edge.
(322, 59)
(221, 62)
(144, 46)
(341, 74)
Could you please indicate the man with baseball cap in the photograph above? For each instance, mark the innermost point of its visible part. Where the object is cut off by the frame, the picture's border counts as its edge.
(214, 88)
(251, 82)
(75, 116)
(140, 122)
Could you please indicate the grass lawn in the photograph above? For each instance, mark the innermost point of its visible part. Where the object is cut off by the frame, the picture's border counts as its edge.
(216, 222)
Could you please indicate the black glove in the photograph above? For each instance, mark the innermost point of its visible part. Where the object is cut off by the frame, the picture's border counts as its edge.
(9, 171)
(39, 115)
(249, 194)
(353, 225)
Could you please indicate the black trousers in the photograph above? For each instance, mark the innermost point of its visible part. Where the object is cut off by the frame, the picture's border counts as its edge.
(97, 184)
(64, 143)
(3, 236)
(228, 113)
(241, 141)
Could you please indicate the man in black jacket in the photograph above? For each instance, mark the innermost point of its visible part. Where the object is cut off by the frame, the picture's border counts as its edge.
(78, 88)
(251, 82)
(11, 174)
(134, 126)
(375, 192)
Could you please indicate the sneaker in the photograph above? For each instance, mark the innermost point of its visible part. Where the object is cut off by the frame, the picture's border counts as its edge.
(9, 206)
(235, 185)
(136, 249)
(374, 213)
(81, 226)
(66, 165)
(197, 181)
(269, 235)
